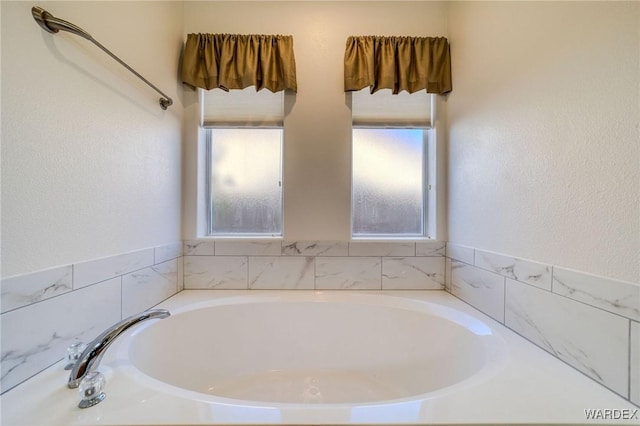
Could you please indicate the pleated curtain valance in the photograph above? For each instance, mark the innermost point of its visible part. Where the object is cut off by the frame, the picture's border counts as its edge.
(231, 61)
(397, 63)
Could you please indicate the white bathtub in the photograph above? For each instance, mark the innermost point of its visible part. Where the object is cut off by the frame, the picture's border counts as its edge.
(314, 348)
(330, 357)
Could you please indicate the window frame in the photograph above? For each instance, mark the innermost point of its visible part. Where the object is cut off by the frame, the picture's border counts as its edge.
(209, 190)
(428, 147)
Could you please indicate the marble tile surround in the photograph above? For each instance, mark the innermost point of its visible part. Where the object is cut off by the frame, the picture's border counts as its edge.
(589, 322)
(44, 311)
(549, 305)
(593, 341)
(273, 273)
(482, 289)
(314, 265)
(26, 289)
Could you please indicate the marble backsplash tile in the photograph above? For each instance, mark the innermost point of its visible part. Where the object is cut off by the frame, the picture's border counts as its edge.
(266, 264)
(615, 296)
(168, 252)
(26, 289)
(591, 340)
(148, 287)
(348, 273)
(526, 271)
(279, 273)
(482, 289)
(460, 253)
(46, 310)
(315, 248)
(215, 272)
(447, 273)
(589, 322)
(96, 270)
(29, 344)
(198, 248)
(412, 273)
(431, 248)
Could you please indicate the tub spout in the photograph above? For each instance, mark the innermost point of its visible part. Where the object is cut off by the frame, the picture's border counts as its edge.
(91, 357)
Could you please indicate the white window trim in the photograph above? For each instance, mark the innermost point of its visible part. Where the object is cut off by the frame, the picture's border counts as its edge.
(434, 173)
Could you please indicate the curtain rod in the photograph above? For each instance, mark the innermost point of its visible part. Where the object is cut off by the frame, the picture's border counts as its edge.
(51, 24)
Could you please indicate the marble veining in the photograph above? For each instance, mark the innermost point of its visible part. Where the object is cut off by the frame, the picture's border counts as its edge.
(199, 248)
(482, 289)
(26, 289)
(591, 340)
(281, 273)
(405, 273)
(315, 248)
(611, 295)
(526, 271)
(15, 359)
(148, 287)
(215, 272)
(36, 344)
(356, 273)
(430, 248)
(93, 271)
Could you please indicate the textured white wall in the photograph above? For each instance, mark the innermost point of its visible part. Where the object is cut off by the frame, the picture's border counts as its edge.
(317, 167)
(90, 163)
(543, 126)
(544, 132)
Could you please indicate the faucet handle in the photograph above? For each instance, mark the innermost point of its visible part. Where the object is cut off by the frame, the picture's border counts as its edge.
(74, 350)
(90, 389)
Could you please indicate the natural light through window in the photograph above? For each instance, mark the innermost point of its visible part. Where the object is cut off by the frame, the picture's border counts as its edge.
(245, 186)
(388, 182)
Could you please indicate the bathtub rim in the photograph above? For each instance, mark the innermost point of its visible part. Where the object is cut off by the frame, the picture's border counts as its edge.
(492, 343)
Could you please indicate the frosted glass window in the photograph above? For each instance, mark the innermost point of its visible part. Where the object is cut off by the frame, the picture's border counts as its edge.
(245, 186)
(388, 182)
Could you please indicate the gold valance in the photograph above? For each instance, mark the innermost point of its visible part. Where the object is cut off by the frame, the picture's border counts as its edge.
(397, 63)
(231, 61)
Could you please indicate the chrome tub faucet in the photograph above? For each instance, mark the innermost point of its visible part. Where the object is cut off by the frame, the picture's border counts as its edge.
(90, 358)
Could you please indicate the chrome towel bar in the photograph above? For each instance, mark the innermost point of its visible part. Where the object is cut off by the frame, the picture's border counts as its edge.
(51, 24)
